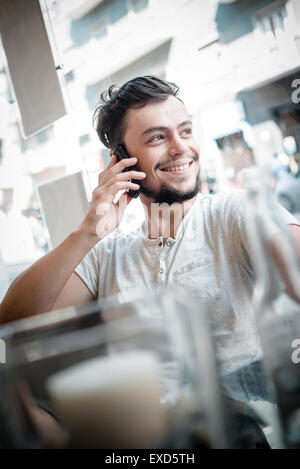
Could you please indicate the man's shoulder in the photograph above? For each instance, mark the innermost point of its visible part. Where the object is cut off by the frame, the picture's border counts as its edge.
(225, 203)
(117, 238)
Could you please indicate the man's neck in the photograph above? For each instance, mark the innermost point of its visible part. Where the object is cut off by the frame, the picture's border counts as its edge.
(163, 220)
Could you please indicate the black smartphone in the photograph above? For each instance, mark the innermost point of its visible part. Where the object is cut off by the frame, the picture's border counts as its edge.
(121, 153)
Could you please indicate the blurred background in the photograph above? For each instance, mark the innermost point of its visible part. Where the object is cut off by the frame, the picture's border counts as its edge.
(237, 64)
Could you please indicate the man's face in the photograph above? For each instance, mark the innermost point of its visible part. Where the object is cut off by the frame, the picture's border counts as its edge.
(160, 136)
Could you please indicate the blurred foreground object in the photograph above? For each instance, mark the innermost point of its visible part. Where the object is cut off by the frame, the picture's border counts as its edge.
(278, 316)
(111, 401)
(288, 191)
(135, 374)
(30, 65)
(64, 203)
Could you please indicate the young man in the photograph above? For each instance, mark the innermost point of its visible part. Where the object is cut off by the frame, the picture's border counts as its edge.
(202, 246)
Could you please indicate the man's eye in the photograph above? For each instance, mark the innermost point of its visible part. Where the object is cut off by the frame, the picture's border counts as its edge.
(187, 131)
(156, 138)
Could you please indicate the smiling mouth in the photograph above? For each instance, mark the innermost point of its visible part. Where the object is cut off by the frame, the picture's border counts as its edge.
(178, 169)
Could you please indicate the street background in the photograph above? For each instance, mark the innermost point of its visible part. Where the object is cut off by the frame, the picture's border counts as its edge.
(237, 64)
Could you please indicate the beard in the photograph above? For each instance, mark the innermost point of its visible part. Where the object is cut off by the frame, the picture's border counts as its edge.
(169, 195)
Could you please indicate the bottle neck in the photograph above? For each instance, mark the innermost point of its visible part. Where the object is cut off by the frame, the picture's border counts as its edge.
(274, 257)
(262, 226)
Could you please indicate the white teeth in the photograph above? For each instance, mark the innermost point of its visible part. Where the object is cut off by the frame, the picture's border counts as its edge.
(178, 168)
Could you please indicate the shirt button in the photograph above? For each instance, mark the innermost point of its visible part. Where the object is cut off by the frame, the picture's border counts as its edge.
(161, 271)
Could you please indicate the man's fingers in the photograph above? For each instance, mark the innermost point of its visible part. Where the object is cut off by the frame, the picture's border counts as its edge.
(130, 175)
(110, 189)
(123, 164)
(123, 201)
(114, 168)
(112, 162)
(126, 177)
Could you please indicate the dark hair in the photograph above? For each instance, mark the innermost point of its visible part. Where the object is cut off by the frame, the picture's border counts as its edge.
(110, 113)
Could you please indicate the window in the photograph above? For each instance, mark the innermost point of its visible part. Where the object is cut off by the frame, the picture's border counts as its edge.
(235, 152)
(271, 22)
(138, 5)
(45, 135)
(100, 28)
(84, 139)
(69, 77)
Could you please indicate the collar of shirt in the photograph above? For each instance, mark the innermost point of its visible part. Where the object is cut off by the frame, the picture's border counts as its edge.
(183, 227)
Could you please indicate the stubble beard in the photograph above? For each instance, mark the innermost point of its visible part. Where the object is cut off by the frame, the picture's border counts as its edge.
(170, 195)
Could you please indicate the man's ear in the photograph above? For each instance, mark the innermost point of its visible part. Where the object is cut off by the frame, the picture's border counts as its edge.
(110, 153)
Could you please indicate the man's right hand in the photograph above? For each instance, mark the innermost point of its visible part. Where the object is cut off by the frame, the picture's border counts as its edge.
(105, 215)
(50, 282)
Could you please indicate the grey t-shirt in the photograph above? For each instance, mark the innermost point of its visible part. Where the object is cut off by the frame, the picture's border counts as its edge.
(210, 257)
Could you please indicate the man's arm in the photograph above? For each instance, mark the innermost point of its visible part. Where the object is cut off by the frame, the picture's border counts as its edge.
(291, 278)
(74, 293)
(50, 282)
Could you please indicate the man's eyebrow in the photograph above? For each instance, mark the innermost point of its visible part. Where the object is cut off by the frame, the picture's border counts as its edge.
(161, 128)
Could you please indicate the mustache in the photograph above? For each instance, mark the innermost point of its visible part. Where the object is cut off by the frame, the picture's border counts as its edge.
(194, 156)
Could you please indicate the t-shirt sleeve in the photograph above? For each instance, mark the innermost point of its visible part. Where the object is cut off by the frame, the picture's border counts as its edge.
(88, 270)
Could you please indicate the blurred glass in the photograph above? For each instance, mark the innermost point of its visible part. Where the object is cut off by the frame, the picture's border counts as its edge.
(276, 299)
(159, 342)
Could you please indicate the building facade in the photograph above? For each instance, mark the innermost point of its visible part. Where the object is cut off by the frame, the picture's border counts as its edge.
(237, 64)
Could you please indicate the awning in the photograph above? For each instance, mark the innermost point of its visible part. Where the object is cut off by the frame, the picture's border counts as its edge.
(128, 52)
(222, 119)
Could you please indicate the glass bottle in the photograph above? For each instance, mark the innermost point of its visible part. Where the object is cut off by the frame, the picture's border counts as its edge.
(277, 313)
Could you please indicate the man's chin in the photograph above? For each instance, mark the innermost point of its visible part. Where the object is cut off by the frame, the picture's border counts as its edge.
(171, 195)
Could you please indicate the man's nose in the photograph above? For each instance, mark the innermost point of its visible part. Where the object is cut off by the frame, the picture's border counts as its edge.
(177, 146)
